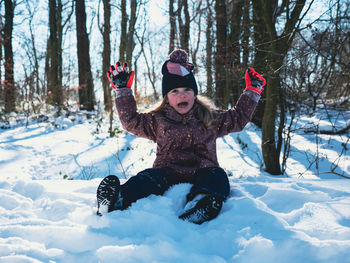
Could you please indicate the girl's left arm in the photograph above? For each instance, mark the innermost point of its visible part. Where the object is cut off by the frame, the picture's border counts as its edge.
(235, 119)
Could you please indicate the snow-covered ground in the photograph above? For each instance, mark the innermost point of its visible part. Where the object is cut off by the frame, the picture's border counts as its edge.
(49, 176)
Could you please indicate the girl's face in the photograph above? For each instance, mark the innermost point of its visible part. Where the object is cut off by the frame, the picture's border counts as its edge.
(181, 99)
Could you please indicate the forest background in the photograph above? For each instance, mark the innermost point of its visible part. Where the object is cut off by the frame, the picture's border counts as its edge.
(55, 54)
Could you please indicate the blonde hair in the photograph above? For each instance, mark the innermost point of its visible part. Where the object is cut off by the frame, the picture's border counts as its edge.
(204, 112)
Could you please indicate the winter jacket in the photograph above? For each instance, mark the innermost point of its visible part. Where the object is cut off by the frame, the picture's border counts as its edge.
(184, 144)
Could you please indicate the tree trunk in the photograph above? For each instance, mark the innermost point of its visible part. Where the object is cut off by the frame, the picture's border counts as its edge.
(9, 85)
(184, 26)
(196, 45)
(54, 54)
(260, 55)
(278, 48)
(220, 56)
(127, 43)
(59, 51)
(172, 22)
(36, 61)
(123, 32)
(209, 51)
(106, 54)
(269, 145)
(1, 61)
(234, 76)
(86, 86)
(131, 32)
(246, 33)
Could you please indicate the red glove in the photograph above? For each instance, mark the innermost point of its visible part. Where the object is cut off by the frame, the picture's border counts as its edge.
(254, 81)
(120, 77)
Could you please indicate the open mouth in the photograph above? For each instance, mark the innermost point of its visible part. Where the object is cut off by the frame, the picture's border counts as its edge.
(182, 104)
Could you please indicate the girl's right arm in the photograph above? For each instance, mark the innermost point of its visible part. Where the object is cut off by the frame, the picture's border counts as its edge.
(140, 124)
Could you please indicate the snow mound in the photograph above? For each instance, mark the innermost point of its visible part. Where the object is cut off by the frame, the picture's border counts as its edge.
(265, 219)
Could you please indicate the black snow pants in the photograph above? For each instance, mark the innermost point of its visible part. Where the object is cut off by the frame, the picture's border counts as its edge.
(210, 180)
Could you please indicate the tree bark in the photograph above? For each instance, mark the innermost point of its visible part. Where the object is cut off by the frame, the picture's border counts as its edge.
(106, 54)
(196, 45)
(59, 51)
(234, 76)
(86, 86)
(9, 85)
(220, 56)
(1, 58)
(172, 22)
(209, 51)
(131, 32)
(270, 151)
(184, 26)
(127, 43)
(260, 55)
(35, 58)
(123, 32)
(246, 33)
(54, 53)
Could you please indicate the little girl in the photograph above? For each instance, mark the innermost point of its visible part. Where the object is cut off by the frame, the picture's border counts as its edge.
(185, 129)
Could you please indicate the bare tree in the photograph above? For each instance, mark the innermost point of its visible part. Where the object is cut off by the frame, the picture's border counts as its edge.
(209, 49)
(106, 61)
(1, 53)
(54, 77)
(172, 22)
(123, 31)
(221, 48)
(261, 43)
(234, 45)
(86, 85)
(179, 20)
(145, 44)
(54, 53)
(318, 68)
(279, 44)
(183, 18)
(197, 17)
(131, 31)
(9, 85)
(30, 89)
(127, 42)
(106, 53)
(34, 54)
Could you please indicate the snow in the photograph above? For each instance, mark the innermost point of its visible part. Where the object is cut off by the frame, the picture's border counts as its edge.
(49, 173)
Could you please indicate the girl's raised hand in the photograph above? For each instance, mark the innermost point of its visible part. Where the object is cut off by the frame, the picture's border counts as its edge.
(120, 77)
(254, 81)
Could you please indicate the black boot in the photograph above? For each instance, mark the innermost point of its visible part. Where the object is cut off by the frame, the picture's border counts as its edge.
(107, 194)
(205, 209)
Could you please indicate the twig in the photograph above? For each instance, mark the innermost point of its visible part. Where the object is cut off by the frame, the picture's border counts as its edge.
(85, 175)
(118, 158)
(332, 172)
(287, 141)
(335, 131)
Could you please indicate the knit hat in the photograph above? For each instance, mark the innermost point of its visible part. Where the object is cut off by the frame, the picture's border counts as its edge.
(177, 73)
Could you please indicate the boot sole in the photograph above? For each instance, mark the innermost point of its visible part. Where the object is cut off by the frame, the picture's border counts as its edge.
(107, 192)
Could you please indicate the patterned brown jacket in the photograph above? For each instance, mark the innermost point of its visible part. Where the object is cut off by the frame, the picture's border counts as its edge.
(184, 144)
